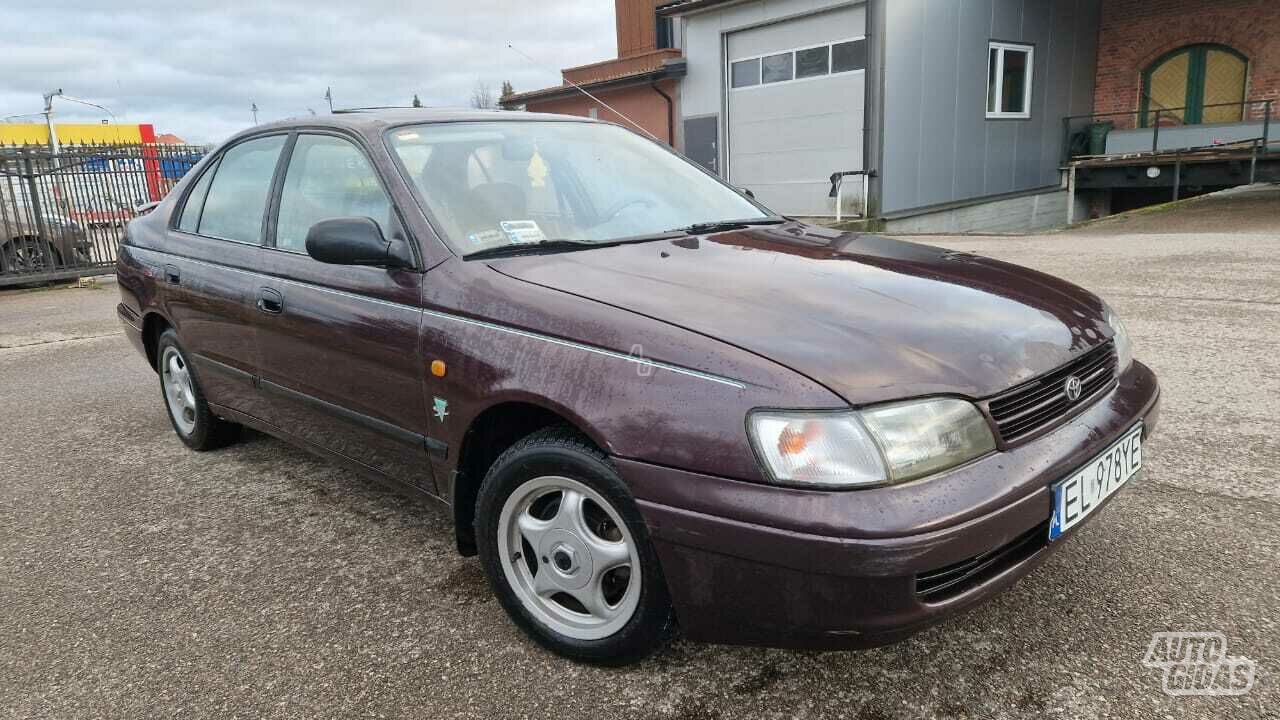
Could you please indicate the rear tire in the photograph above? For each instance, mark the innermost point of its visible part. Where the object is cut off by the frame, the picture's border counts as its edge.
(195, 424)
(568, 554)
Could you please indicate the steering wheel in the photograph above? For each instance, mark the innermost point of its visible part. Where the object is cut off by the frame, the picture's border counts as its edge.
(616, 209)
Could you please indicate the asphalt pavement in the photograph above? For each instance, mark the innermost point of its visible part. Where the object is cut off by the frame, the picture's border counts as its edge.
(138, 579)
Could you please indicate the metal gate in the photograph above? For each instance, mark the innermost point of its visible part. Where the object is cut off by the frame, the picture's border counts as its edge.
(62, 215)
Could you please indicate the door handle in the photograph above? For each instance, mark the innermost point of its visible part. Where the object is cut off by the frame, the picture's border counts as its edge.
(172, 275)
(270, 301)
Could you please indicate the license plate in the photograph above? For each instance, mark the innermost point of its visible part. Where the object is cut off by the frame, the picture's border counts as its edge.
(1081, 493)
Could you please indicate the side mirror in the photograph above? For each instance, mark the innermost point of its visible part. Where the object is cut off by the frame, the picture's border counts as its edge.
(356, 241)
(747, 192)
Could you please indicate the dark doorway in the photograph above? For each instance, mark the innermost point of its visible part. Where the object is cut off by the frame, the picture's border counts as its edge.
(702, 141)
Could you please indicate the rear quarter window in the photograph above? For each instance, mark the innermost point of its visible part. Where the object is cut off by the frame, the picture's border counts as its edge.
(190, 220)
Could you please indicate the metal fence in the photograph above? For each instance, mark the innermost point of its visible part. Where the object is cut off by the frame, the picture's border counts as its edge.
(1250, 125)
(63, 214)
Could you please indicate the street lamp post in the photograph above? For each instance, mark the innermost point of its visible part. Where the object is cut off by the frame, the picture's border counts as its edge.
(48, 119)
(48, 114)
(54, 146)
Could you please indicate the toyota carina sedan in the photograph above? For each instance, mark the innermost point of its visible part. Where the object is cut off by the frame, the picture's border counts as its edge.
(646, 400)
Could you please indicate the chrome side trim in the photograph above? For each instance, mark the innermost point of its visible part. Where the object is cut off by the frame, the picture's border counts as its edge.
(591, 349)
(484, 324)
(232, 372)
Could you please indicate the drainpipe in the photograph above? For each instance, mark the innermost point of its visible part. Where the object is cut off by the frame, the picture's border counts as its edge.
(671, 114)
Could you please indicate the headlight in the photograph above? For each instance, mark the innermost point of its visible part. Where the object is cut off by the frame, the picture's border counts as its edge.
(877, 446)
(922, 438)
(1124, 346)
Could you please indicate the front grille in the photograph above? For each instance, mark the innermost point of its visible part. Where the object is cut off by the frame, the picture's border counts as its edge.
(948, 582)
(1036, 405)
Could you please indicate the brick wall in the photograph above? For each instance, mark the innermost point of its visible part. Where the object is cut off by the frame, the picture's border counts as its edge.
(1135, 33)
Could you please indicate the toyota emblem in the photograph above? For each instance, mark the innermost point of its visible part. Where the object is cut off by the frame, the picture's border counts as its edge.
(1073, 387)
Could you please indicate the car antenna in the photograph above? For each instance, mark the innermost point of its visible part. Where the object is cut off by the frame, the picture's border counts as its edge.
(583, 90)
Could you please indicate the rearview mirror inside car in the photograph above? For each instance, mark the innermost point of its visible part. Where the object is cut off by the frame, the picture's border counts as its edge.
(518, 149)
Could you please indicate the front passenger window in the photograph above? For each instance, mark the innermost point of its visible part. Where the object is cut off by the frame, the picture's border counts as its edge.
(328, 177)
(237, 200)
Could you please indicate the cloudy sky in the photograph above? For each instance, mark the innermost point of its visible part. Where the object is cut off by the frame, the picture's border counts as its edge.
(195, 68)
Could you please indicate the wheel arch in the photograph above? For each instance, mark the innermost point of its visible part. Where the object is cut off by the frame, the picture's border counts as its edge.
(153, 326)
(494, 429)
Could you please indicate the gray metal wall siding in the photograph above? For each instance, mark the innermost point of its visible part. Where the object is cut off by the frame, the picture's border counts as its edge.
(935, 162)
(938, 145)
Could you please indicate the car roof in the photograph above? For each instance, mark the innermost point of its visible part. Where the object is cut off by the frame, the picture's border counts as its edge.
(373, 120)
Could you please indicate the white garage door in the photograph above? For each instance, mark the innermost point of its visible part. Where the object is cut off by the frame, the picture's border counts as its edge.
(795, 109)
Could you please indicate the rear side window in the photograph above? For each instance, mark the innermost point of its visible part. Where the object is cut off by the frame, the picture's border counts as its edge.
(237, 199)
(190, 220)
(328, 177)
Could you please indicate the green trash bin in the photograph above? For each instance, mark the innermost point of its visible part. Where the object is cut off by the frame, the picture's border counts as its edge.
(1098, 137)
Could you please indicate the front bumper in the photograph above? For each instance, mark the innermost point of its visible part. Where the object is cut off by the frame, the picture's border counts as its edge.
(763, 565)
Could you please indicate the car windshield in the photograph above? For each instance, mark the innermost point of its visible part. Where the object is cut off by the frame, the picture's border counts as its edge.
(498, 184)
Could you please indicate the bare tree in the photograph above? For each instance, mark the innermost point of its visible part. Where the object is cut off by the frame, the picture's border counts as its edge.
(482, 96)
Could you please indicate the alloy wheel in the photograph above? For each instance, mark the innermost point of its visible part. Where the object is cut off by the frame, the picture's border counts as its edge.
(179, 391)
(569, 557)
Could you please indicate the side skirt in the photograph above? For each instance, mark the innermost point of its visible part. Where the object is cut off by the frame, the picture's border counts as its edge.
(337, 458)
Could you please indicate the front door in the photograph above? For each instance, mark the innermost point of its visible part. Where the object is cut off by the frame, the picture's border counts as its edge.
(339, 344)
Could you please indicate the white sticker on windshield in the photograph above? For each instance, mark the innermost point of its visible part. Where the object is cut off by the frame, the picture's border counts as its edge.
(522, 231)
(487, 237)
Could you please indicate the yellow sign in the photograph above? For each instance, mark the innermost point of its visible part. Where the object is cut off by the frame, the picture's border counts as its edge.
(71, 134)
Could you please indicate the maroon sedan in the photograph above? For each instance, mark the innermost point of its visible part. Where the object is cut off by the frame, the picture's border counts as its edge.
(645, 398)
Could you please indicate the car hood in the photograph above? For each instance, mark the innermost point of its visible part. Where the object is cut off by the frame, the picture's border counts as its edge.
(869, 317)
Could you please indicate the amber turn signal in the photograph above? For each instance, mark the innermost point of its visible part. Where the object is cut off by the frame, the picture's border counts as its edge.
(796, 437)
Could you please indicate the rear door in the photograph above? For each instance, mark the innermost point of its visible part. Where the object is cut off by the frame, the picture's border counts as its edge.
(208, 276)
(340, 363)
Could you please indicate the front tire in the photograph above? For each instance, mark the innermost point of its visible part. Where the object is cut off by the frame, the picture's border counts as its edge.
(567, 553)
(196, 425)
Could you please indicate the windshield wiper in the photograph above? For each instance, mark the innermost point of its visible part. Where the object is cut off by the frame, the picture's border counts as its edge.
(560, 245)
(703, 228)
(530, 248)
(566, 245)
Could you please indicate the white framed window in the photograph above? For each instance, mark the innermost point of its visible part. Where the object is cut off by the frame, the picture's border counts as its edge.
(1009, 72)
